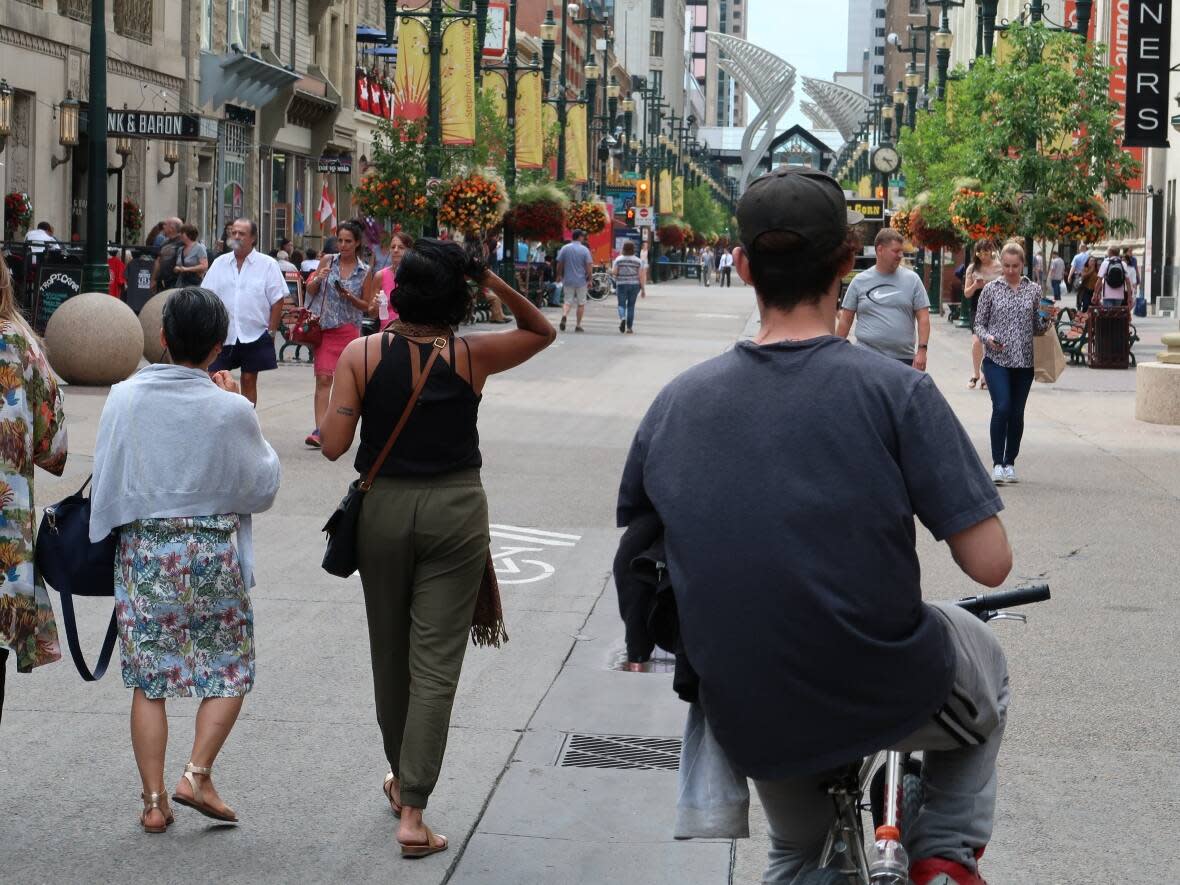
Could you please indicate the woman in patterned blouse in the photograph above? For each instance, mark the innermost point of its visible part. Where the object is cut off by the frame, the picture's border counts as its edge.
(1006, 321)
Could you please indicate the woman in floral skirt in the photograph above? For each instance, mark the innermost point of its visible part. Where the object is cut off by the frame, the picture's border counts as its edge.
(178, 488)
(32, 432)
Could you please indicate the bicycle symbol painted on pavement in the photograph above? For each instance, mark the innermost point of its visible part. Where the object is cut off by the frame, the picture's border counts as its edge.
(511, 566)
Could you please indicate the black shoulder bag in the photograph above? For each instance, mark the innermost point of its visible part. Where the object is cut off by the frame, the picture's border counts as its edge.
(72, 565)
(340, 557)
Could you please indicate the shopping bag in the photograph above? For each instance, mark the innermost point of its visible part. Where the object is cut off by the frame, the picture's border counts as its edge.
(1048, 358)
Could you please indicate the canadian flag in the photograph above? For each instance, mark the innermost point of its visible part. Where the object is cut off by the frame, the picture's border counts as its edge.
(327, 207)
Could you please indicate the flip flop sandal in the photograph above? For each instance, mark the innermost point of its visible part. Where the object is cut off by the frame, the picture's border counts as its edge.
(426, 849)
(387, 789)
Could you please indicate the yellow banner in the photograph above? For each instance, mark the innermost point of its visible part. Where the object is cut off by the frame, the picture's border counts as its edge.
(496, 89)
(577, 166)
(411, 79)
(549, 126)
(666, 201)
(458, 83)
(678, 196)
(530, 138)
(1002, 48)
(864, 188)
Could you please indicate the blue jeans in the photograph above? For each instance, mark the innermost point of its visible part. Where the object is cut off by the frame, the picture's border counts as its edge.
(1009, 391)
(1056, 284)
(627, 294)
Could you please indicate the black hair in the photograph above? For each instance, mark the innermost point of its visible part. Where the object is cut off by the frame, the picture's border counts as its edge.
(432, 283)
(310, 253)
(787, 271)
(354, 228)
(45, 226)
(331, 247)
(195, 321)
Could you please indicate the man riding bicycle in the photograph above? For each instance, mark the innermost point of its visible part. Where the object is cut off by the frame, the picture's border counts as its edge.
(787, 474)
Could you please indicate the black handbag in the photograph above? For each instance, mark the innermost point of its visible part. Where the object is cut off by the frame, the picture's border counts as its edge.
(72, 565)
(340, 557)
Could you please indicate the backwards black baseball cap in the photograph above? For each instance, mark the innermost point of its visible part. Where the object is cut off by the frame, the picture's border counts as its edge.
(798, 200)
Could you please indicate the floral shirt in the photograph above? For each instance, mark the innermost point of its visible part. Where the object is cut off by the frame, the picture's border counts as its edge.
(32, 432)
(1011, 317)
(336, 311)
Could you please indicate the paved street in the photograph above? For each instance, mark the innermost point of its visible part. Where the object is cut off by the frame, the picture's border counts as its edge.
(1088, 773)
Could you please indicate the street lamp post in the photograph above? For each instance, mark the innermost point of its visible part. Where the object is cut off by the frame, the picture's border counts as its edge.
(95, 272)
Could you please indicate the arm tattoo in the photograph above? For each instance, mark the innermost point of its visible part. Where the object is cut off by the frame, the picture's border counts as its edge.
(347, 412)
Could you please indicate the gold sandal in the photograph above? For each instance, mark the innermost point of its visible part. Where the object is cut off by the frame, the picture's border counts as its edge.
(198, 803)
(387, 789)
(150, 801)
(427, 849)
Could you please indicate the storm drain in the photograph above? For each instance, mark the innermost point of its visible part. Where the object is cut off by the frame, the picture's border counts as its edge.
(621, 751)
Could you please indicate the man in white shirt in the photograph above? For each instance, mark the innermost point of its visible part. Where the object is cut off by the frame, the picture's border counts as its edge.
(252, 288)
(725, 267)
(41, 234)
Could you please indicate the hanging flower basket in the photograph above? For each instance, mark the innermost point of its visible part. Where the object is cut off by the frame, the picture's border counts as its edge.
(900, 222)
(18, 213)
(476, 202)
(1086, 220)
(538, 213)
(933, 238)
(671, 236)
(390, 199)
(589, 217)
(132, 221)
(983, 216)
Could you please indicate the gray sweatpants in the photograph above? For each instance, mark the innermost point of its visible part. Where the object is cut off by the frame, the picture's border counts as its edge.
(961, 743)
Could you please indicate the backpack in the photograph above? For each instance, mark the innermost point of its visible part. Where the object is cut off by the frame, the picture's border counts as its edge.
(170, 266)
(1116, 275)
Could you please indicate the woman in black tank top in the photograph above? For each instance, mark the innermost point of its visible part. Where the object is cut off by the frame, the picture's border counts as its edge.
(423, 535)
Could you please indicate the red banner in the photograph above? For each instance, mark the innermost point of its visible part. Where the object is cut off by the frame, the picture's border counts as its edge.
(1120, 20)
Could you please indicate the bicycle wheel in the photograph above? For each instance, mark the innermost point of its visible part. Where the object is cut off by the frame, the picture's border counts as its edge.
(599, 286)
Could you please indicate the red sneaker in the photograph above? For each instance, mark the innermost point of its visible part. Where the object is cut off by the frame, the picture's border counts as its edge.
(940, 871)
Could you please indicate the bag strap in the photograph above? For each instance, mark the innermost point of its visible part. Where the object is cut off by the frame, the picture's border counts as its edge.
(435, 350)
(108, 642)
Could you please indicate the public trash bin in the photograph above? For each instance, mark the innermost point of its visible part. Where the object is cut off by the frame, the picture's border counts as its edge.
(1110, 337)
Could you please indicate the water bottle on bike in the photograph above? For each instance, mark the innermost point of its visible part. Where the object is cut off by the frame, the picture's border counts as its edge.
(889, 864)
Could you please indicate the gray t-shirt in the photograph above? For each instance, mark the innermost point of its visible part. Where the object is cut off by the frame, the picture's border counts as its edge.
(191, 257)
(885, 306)
(789, 529)
(575, 261)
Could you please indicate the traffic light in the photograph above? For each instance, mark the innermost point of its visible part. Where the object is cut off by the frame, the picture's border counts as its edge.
(642, 192)
(631, 216)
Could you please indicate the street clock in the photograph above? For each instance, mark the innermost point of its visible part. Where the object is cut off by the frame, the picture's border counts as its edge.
(886, 159)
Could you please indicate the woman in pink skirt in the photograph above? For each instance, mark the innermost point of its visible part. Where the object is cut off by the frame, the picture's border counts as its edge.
(336, 293)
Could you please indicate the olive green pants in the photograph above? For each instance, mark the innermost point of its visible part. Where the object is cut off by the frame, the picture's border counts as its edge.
(422, 548)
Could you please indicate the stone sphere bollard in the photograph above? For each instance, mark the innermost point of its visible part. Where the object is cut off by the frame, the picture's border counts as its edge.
(94, 340)
(151, 320)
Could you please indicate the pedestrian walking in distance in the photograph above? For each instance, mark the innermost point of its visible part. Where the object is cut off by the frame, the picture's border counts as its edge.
(1057, 275)
(176, 491)
(336, 292)
(1118, 280)
(423, 534)
(887, 301)
(1006, 321)
(787, 635)
(725, 268)
(984, 267)
(252, 288)
(34, 429)
(630, 282)
(575, 265)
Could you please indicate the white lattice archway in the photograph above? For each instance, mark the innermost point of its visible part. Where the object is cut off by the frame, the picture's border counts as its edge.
(770, 81)
(841, 105)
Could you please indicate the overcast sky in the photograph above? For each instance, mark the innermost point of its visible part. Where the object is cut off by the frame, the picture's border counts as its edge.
(811, 36)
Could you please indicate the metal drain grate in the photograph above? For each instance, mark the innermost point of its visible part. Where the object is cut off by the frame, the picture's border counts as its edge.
(621, 751)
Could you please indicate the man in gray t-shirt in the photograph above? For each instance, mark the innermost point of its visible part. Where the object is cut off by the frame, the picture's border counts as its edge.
(574, 267)
(887, 301)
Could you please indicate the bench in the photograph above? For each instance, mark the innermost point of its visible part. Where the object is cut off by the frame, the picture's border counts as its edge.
(1073, 331)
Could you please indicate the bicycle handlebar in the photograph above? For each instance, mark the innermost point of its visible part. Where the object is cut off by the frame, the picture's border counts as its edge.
(1005, 599)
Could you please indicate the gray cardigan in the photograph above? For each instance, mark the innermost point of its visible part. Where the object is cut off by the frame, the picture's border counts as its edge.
(173, 443)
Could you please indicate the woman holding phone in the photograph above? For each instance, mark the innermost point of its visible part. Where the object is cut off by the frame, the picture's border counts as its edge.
(1006, 321)
(336, 292)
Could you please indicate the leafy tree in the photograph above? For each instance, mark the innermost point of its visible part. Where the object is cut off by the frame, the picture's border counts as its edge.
(703, 213)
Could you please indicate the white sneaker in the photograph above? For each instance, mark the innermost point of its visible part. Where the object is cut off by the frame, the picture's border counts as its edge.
(1010, 474)
(998, 476)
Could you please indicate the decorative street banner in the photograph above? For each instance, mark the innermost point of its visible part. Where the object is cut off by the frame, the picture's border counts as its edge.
(530, 137)
(1149, 48)
(576, 160)
(678, 196)
(411, 78)
(458, 84)
(495, 87)
(666, 201)
(1120, 21)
